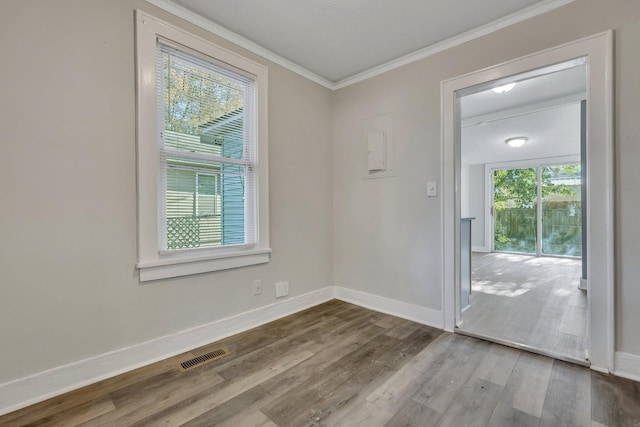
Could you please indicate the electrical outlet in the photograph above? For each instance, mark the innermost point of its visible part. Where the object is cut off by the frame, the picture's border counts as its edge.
(282, 289)
(257, 287)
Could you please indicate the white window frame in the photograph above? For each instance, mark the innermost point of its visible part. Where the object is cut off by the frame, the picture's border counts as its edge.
(153, 263)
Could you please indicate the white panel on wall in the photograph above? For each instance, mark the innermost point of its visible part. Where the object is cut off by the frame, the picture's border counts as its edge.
(376, 152)
(378, 145)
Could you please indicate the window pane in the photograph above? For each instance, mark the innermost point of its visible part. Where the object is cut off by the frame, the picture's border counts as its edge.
(207, 112)
(561, 210)
(515, 210)
(205, 204)
(203, 106)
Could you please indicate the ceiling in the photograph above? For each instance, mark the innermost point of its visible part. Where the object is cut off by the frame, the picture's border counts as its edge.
(338, 39)
(545, 109)
(541, 89)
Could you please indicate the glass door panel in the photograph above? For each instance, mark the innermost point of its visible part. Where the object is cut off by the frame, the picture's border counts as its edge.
(515, 210)
(561, 210)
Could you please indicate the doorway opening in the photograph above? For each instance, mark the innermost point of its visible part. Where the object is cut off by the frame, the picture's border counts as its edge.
(526, 266)
(552, 217)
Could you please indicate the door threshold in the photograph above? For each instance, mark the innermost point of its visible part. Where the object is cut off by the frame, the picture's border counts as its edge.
(530, 349)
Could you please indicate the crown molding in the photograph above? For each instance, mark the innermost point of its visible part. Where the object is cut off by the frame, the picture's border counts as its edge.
(219, 30)
(498, 24)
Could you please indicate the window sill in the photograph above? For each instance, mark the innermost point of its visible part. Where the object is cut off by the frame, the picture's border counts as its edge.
(184, 266)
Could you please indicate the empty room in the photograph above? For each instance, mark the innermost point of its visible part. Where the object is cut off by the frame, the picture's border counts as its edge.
(288, 213)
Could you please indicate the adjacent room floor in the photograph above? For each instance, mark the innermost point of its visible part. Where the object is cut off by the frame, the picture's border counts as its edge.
(528, 300)
(338, 364)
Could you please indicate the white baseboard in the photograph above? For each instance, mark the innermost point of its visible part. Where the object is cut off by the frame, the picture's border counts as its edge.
(26, 391)
(627, 365)
(426, 316)
(480, 249)
(35, 388)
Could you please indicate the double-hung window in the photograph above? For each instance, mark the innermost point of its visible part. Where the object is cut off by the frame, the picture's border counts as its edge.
(202, 172)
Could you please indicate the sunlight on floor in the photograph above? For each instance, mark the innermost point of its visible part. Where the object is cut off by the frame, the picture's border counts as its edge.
(528, 300)
(505, 289)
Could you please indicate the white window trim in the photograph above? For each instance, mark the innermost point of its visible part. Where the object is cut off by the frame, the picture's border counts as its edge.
(152, 263)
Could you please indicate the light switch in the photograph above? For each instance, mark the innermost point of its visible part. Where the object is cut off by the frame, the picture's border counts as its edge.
(432, 189)
(377, 152)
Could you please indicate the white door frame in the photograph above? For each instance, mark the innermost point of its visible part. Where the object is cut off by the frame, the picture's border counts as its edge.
(598, 51)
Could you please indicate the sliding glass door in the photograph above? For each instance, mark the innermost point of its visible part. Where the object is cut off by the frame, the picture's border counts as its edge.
(537, 210)
(515, 210)
(561, 211)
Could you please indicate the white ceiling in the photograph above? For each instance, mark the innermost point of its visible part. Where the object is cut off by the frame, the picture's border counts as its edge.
(544, 109)
(337, 39)
(541, 89)
(551, 133)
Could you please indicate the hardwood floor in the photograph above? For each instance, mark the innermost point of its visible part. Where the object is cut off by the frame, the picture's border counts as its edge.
(342, 365)
(528, 300)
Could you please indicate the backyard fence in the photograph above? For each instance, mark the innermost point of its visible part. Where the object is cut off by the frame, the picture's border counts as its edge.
(516, 229)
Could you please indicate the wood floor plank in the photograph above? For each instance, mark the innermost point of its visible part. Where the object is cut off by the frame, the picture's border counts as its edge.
(439, 390)
(413, 414)
(243, 343)
(228, 409)
(389, 322)
(249, 360)
(391, 395)
(91, 392)
(198, 404)
(346, 342)
(366, 377)
(568, 400)
(506, 416)
(359, 411)
(615, 401)
(497, 365)
(419, 339)
(403, 330)
(301, 399)
(77, 415)
(134, 402)
(380, 405)
(253, 419)
(527, 387)
(337, 364)
(365, 414)
(473, 405)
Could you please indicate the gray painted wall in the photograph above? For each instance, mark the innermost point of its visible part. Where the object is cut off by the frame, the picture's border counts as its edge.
(68, 283)
(394, 249)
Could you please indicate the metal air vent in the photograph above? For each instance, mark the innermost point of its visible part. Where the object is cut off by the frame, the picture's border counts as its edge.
(187, 365)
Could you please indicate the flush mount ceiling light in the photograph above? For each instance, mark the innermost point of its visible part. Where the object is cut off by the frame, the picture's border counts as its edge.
(504, 88)
(516, 142)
